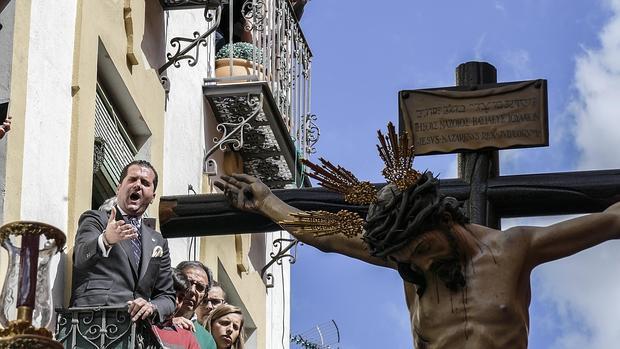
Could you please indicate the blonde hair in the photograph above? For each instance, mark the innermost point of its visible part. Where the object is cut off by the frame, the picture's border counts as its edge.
(223, 310)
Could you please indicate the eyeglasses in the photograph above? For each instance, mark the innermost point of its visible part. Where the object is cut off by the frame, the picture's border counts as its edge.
(214, 301)
(200, 288)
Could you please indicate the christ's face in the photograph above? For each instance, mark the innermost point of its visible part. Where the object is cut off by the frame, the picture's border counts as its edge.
(421, 253)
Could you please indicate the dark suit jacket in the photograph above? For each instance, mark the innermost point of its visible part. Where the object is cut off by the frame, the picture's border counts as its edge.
(114, 280)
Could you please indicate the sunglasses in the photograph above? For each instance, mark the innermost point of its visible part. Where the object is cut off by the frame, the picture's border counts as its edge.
(214, 301)
(200, 288)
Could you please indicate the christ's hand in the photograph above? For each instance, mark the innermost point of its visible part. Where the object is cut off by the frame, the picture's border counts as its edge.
(244, 192)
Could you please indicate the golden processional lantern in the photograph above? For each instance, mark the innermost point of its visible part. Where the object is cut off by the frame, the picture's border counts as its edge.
(26, 300)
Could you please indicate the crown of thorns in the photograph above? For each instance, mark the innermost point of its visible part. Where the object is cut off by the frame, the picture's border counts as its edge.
(397, 155)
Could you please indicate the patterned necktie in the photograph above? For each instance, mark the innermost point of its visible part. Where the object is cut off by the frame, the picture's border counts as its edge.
(136, 243)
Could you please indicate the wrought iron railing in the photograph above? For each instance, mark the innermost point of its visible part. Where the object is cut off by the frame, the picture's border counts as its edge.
(103, 328)
(283, 60)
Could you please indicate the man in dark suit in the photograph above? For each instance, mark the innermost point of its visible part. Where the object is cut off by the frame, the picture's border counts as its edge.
(119, 260)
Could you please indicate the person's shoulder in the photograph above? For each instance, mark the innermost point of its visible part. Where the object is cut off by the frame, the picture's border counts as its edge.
(94, 214)
(514, 239)
(518, 231)
(200, 330)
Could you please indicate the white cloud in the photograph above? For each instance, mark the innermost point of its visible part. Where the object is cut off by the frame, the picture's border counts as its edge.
(596, 107)
(584, 288)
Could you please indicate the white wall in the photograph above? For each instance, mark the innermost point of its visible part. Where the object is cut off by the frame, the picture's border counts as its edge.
(278, 297)
(184, 120)
(47, 116)
(48, 112)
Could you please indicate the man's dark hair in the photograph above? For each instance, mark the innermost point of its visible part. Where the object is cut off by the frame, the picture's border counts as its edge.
(399, 217)
(141, 163)
(179, 281)
(196, 265)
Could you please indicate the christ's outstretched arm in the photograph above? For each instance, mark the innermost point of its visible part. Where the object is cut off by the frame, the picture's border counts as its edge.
(250, 194)
(563, 239)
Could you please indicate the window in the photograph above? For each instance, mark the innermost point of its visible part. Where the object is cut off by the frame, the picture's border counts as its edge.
(113, 149)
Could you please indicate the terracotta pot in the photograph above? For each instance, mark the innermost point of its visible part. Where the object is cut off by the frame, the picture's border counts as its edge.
(241, 67)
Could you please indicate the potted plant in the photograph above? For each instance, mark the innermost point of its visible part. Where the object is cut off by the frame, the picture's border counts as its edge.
(244, 57)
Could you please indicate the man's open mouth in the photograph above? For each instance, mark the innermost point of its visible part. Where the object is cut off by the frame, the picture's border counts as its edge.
(134, 196)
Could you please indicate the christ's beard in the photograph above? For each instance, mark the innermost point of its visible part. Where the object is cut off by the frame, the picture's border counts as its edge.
(450, 272)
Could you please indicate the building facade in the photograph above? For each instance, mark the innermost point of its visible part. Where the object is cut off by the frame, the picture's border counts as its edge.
(91, 85)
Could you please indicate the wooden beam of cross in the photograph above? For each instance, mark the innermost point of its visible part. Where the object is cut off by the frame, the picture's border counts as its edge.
(511, 196)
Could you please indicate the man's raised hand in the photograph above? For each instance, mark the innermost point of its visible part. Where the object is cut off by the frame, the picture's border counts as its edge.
(117, 231)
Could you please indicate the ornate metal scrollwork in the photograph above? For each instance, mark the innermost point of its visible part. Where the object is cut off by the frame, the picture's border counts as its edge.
(183, 53)
(305, 61)
(313, 133)
(276, 257)
(233, 129)
(178, 56)
(102, 327)
(254, 11)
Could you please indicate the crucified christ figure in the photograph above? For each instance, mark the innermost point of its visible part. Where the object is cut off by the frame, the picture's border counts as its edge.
(466, 285)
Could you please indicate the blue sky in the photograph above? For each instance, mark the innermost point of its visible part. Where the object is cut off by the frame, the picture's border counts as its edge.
(367, 51)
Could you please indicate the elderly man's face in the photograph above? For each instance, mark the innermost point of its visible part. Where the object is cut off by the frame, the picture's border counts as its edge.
(199, 282)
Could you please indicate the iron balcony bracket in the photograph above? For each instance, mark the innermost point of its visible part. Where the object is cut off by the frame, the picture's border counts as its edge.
(276, 257)
(182, 53)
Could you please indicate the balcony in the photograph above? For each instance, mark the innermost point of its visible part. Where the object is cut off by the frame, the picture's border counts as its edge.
(264, 112)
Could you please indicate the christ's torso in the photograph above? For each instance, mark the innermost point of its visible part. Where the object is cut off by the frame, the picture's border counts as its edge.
(491, 312)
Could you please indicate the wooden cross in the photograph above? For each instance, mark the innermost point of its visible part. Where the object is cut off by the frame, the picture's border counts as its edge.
(487, 195)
